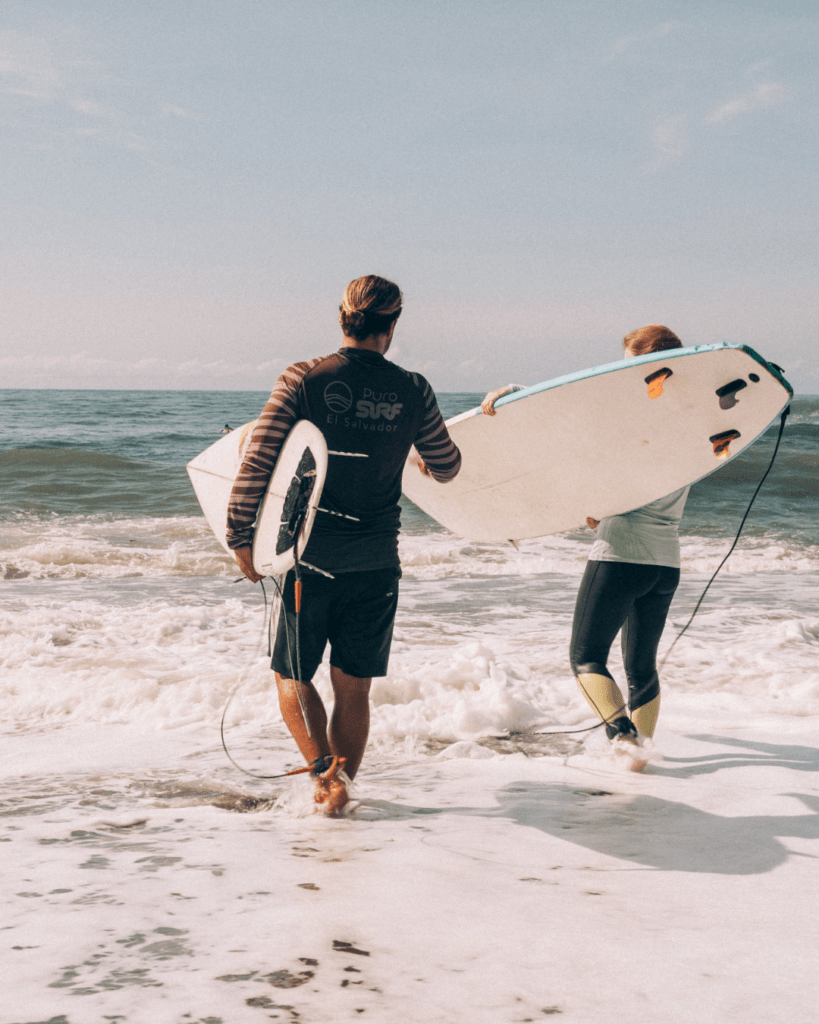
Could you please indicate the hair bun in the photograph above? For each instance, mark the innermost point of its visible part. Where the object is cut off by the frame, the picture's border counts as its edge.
(371, 305)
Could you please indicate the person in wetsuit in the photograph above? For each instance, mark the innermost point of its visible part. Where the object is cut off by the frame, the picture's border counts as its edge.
(366, 406)
(631, 575)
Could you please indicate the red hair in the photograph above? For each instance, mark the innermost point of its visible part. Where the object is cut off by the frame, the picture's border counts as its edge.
(653, 338)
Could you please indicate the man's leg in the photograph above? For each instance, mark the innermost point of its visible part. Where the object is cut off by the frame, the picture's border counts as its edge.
(349, 725)
(315, 744)
(299, 646)
(298, 650)
(331, 792)
(350, 721)
(360, 634)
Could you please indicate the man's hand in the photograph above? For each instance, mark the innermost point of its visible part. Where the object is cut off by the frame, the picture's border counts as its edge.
(244, 556)
(414, 459)
(592, 523)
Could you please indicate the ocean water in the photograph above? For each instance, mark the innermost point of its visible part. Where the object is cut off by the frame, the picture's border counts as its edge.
(118, 606)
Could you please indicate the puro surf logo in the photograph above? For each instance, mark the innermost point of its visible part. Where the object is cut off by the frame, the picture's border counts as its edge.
(375, 410)
(338, 396)
(375, 406)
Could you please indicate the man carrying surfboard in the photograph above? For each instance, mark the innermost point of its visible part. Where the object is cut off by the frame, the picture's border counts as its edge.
(371, 413)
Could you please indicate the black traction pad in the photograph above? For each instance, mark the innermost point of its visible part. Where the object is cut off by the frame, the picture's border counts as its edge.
(296, 501)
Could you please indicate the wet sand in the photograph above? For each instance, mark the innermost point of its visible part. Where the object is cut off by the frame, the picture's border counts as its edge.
(487, 887)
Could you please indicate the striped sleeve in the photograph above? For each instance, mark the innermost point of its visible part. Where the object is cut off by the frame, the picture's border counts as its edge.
(272, 427)
(433, 442)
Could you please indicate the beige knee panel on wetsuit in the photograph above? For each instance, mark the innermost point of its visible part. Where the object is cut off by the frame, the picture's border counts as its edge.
(645, 717)
(606, 699)
(603, 695)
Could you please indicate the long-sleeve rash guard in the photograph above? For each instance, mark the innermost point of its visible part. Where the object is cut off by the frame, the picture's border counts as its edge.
(364, 404)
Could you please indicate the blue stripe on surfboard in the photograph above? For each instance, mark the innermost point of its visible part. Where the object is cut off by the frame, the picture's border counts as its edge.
(622, 364)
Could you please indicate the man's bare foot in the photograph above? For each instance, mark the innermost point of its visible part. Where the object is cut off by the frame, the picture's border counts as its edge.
(331, 791)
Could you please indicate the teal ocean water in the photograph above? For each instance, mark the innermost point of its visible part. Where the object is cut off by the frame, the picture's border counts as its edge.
(123, 453)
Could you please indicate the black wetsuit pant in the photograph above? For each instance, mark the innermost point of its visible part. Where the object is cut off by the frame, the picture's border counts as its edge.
(631, 596)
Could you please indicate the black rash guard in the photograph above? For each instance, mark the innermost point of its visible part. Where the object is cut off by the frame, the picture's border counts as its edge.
(365, 405)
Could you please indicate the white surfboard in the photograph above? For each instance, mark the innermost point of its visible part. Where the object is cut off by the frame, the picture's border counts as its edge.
(601, 442)
(291, 498)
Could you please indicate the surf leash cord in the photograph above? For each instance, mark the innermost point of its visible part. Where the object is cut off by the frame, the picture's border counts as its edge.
(235, 690)
(316, 767)
(572, 732)
(783, 418)
(297, 603)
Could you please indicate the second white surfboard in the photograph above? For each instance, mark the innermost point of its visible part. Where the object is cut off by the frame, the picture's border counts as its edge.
(601, 442)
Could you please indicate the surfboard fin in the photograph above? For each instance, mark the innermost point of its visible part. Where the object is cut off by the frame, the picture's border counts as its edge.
(315, 568)
(656, 380)
(726, 393)
(341, 515)
(721, 443)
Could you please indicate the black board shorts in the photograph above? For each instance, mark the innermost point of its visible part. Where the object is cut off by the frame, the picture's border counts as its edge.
(354, 612)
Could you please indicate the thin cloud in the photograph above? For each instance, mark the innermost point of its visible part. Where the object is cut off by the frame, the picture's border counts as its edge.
(62, 72)
(78, 363)
(27, 67)
(761, 96)
(136, 143)
(626, 42)
(216, 369)
(669, 142)
(472, 364)
(169, 110)
(91, 109)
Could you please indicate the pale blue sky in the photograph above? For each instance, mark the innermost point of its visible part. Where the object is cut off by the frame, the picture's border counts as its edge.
(188, 185)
